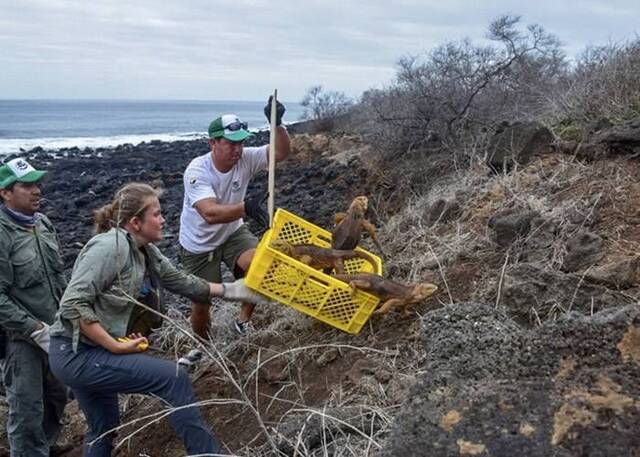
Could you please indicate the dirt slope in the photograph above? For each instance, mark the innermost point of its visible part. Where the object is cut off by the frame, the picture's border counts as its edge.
(550, 369)
(531, 346)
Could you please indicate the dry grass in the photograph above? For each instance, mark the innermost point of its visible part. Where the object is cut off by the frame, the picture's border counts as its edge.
(569, 196)
(339, 437)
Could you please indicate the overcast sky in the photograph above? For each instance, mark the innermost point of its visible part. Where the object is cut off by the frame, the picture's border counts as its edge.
(242, 49)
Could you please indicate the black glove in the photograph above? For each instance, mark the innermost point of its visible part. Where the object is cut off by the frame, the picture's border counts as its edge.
(280, 109)
(253, 208)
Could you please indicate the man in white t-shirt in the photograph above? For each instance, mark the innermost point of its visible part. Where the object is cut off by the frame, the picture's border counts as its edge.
(212, 229)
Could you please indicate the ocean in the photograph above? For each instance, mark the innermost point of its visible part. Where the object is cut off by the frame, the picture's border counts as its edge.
(56, 124)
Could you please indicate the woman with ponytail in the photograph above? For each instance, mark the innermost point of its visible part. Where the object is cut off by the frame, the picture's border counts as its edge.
(99, 337)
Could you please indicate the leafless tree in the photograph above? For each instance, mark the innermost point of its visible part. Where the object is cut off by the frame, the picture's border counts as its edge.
(605, 83)
(458, 89)
(320, 104)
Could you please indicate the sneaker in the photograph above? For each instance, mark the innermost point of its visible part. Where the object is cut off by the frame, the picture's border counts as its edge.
(192, 358)
(243, 328)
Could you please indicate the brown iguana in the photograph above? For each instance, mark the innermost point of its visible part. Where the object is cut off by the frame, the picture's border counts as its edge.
(320, 258)
(392, 293)
(348, 231)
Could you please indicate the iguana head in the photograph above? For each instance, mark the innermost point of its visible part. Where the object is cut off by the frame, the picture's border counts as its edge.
(359, 205)
(422, 291)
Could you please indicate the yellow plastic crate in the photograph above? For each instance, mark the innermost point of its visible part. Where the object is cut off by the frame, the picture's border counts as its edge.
(306, 289)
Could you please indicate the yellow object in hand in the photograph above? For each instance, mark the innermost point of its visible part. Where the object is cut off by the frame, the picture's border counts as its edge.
(142, 346)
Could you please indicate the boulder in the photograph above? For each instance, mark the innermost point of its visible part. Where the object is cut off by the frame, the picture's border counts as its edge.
(510, 224)
(584, 249)
(621, 139)
(274, 371)
(601, 138)
(516, 143)
(327, 357)
(621, 274)
(596, 126)
(441, 211)
(489, 387)
(540, 240)
(315, 430)
(531, 294)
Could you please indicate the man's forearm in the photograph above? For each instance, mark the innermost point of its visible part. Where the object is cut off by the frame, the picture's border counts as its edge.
(283, 143)
(223, 214)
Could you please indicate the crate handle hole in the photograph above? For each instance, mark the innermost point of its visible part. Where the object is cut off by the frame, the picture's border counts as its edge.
(326, 239)
(318, 282)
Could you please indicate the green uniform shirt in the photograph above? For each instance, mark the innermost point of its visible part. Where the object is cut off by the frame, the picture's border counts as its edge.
(32, 277)
(107, 278)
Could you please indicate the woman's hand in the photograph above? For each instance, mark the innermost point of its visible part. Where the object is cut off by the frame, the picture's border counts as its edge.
(238, 291)
(126, 345)
(131, 344)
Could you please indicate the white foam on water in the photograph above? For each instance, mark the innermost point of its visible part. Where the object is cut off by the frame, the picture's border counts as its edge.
(14, 145)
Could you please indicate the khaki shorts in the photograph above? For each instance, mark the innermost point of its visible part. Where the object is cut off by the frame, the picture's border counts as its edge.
(207, 265)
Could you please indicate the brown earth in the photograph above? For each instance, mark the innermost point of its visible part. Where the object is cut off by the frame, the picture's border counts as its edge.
(528, 349)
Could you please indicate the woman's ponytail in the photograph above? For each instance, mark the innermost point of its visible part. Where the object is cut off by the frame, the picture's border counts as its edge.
(130, 201)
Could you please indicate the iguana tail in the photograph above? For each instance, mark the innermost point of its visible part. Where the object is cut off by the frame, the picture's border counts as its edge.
(355, 276)
(340, 277)
(367, 258)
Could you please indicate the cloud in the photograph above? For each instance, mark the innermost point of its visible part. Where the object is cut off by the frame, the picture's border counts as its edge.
(242, 49)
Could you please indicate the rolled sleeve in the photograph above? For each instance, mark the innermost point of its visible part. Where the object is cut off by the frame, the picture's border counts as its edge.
(95, 271)
(178, 281)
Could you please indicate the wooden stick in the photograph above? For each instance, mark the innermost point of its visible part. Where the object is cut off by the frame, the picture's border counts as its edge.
(272, 159)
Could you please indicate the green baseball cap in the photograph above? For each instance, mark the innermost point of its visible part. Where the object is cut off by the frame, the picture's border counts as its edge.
(18, 170)
(229, 127)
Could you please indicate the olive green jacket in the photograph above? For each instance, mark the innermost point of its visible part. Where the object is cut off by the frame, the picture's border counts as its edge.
(32, 277)
(106, 280)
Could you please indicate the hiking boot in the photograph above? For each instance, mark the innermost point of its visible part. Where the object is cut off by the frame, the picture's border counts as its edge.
(191, 359)
(243, 328)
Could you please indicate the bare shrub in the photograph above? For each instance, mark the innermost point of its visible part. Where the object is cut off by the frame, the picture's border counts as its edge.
(325, 107)
(451, 95)
(605, 83)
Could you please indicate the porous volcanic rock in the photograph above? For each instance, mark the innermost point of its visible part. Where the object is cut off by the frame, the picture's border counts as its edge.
(316, 431)
(621, 274)
(527, 287)
(516, 143)
(441, 211)
(511, 224)
(621, 139)
(583, 250)
(489, 387)
(604, 139)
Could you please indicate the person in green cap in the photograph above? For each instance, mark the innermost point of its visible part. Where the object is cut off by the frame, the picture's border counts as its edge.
(212, 229)
(32, 282)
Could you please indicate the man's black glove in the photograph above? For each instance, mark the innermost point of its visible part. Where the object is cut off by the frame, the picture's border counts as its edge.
(253, 208)
(280, 109)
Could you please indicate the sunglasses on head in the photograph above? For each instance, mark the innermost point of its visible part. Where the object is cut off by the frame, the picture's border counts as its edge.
(235, 126)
